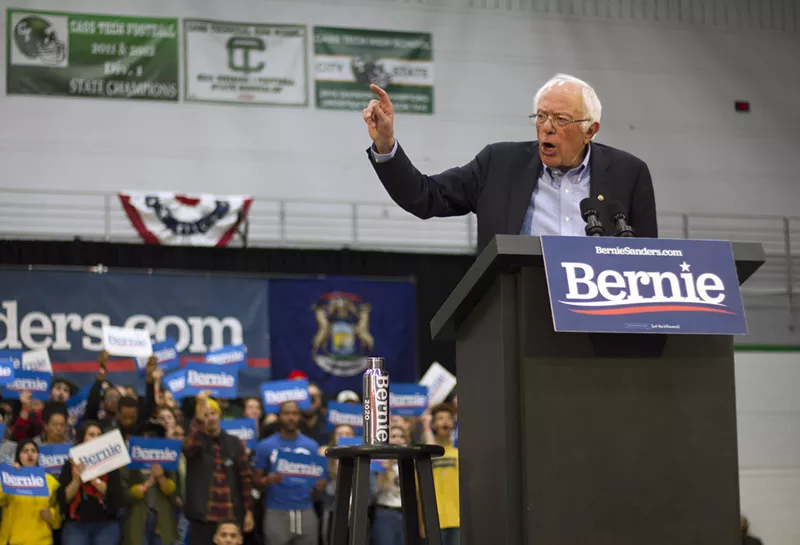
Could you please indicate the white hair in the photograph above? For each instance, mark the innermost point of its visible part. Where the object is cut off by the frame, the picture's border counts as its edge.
(592, 109)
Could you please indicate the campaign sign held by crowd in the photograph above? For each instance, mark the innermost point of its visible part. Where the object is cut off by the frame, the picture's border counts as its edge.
(35, 382)
(6, 371)
(228, 355)
(37, 360)
(101, 455)
(301, 469)
(53, 457)
(76, 404)
(222, 381)
(14, 355)
(243, 428)
(146, 451)
(630, 285)
(408, 399)
(176, 383)
(375, 466)
(166, 355)
(126, 341)
(25, 481)
(277, 392)
(351, 414)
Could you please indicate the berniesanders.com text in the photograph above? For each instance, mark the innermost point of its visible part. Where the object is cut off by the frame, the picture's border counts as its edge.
(627, 250)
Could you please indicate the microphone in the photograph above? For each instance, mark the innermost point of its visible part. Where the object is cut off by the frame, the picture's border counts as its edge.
(620, 219)
(589, 211)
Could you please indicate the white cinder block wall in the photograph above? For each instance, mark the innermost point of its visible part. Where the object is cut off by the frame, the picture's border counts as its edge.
(667, 72)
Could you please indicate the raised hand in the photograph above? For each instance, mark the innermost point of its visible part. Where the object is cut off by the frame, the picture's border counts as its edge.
(379, 117)
(103, 363)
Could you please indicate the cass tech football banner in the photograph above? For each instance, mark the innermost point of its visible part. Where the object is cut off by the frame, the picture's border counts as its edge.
(628, 285)
(64, 312)
(92, 55)
(170, 219)
(327, 327)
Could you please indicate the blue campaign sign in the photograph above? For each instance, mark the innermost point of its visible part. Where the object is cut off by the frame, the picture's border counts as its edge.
(228, 355)
(166, 353)
(6, 370)
(147, 451)
(408, 399)
(348, 414)
(221, 380)
(301, 469)
(243, 428)
(630, 285)
(64, 312)
(76, 404)
(14, 355)
(36, 382)
(26, 481)
(53, 457)
(277, 392)
(176, 383)
(375, 466)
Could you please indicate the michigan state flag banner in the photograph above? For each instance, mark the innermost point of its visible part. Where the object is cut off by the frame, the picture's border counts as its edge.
(348, 60)
(328, 327)
(90, 55)
(171, 219)
(245, 63)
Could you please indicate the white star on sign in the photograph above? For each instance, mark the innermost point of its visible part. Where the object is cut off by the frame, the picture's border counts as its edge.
(685, 267)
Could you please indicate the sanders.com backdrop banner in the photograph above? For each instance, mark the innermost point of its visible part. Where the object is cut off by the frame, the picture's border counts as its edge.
(64, 312)
(327, 327)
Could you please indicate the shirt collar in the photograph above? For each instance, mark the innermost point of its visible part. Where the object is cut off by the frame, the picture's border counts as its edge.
(575, 171)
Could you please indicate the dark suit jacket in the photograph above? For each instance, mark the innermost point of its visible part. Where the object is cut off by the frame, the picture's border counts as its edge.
(498, 183)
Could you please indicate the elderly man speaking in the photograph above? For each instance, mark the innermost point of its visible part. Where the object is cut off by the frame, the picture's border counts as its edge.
(523, 188)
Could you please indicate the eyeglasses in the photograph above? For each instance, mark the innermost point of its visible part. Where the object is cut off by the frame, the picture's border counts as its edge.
(559, 121)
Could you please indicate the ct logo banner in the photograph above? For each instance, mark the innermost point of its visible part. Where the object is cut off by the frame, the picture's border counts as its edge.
(609, 285)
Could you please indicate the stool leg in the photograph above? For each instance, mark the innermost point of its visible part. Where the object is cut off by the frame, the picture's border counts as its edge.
(408, 497)
(341, 502)
(427, 492)
(359, 527)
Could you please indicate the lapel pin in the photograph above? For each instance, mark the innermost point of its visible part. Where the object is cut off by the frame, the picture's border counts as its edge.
(599, 197)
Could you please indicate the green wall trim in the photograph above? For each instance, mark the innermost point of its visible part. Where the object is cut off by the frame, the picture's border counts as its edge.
(765, 348)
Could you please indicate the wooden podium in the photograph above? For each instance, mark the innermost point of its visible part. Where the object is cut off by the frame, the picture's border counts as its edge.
(587, 439)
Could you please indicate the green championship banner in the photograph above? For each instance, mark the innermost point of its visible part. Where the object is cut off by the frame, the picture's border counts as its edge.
(348, 60)
(88, 55)
(245, 63)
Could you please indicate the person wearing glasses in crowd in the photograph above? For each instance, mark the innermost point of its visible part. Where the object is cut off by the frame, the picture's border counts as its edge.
(522, 188)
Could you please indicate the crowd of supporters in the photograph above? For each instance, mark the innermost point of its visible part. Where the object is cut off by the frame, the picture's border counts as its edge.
(222, 492)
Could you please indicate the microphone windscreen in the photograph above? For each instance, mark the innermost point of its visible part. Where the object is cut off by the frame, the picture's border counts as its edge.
(616, 210)
(590, 207)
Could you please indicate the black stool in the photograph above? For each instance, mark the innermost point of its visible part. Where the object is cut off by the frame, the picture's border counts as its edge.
(356, 459)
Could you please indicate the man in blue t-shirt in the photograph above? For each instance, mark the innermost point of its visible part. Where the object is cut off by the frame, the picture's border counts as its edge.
(290, 518)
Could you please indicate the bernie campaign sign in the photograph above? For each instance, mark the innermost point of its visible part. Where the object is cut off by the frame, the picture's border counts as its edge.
(26, 481)
(228, 355)
(277, 392)
(243, 428)
(166, 354)
(146, 451)
(348, 414)
(6, 371)
(53, 457)
(301, 469)
(408, 399)
(630, 285)
(35, 382)
(220, 380)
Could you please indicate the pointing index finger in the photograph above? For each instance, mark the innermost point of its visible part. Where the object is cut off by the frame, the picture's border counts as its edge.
(382, 95)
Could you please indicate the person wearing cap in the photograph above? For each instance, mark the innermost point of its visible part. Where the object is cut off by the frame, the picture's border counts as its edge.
(218, 475)
(348, 396)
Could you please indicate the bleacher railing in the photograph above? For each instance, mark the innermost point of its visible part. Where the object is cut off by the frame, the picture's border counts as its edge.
(65, 215)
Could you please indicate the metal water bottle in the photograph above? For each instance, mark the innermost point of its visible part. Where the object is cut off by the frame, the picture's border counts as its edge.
(376, 402)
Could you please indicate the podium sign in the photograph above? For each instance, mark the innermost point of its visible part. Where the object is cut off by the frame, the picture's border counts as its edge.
(637, 285)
